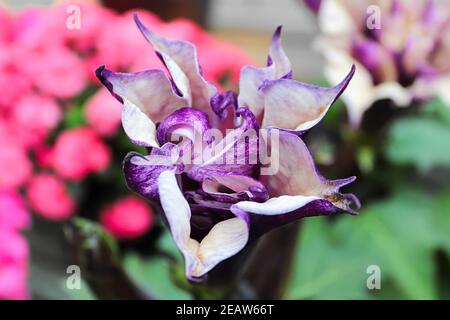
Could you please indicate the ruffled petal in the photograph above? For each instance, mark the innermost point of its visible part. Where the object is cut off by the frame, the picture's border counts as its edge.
(142, 172)
(252, 78)
(278, 58)
(224, 240)
(297, 189)
(148, 98)
(180, 58)
(185, 122)
(240, 187)
(236, 153)
(296, 106)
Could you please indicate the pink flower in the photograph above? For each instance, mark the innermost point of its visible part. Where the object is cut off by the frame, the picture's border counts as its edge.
(103, 114)
(43, 156)
(11, 73)
(37, 28)
(92, 23)
(6, 25)
(15, 164)
(13, 213)
(38, 115)
(219, 59)
(56, 71)
(48, 196)
(78, 152)
(183, 29)
(13, 265)
(120, 34)
(129, 217)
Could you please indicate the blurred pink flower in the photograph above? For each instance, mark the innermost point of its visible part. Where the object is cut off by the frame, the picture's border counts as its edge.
(183, 29)
(13, 265)
(43, 156)
(6, 26)
(78, 152)
(132, 49)
(48, 196)
(129, 217)
(11, 73)
(92, 23)
(16, 166)
(56, 71)
(103, 114)
(38, 114)
(13, 213)
(36, 27)
(219, 59)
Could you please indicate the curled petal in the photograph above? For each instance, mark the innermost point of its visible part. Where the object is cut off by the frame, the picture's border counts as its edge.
(240, 187)
(181, 60)
(297, 106)
(148, 97)
(252, 78)
(224, 240)
(297, 189)
(236, 153)
(184, 122)
(220, 103)
(142, 172)
(277, 57)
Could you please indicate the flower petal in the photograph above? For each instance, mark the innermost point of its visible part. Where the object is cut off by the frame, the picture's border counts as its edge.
(180, 58)
(361, 92)
(236, 153)
(292, 105)
(252, 78)
(184, 122)
(240, 187)
(148, 97)
(141, 172)
(297, 189)
(278, 58)
(224, 240)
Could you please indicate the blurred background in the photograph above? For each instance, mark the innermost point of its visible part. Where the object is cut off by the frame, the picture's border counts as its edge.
(63, 198)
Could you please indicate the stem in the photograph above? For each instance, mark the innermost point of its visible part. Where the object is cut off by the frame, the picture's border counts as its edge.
(267, 271)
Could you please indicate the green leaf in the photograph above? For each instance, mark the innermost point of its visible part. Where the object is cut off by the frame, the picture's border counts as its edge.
(323, 269)
(74, 117)
(399, 234)
(168, 246)
(437, 109)
(154, 275)
(422, 142)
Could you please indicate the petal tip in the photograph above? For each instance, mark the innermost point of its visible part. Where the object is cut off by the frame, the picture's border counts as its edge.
(146, 32)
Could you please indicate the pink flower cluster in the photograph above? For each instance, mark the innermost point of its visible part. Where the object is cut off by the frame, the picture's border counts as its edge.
(47, 65)
(14, 217)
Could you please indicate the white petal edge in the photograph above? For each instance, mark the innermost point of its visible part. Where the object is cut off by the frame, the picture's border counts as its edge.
(224, 240)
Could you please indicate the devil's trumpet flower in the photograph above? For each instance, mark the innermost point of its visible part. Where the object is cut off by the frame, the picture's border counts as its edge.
(209, 165)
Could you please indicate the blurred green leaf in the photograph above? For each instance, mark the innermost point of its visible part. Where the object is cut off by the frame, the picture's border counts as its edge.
(74, 116)
(83, 293)
(167, 245)
(422, 142)
(154, 275)
(437, 109)
(399, 234)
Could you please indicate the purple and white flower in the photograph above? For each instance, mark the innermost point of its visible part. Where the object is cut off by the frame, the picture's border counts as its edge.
(209, 150)
(401, 49)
